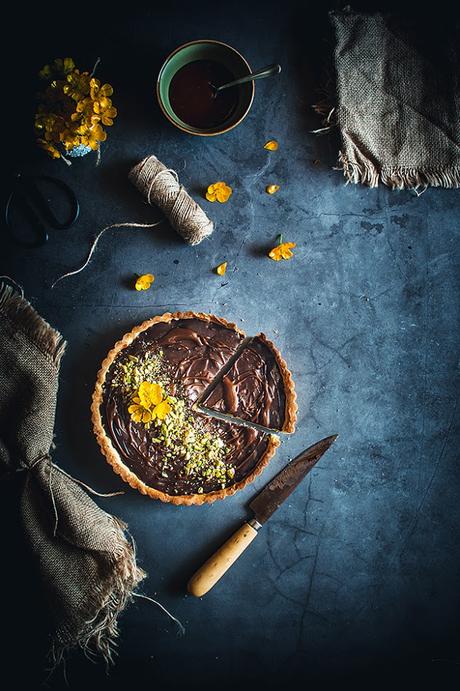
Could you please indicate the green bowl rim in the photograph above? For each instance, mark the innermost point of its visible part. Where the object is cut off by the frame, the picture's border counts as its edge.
(176, 124)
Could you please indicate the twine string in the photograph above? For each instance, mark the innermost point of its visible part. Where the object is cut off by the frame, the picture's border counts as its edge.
(160, 186)
(52, 467)
(94, 245)
(180, 626)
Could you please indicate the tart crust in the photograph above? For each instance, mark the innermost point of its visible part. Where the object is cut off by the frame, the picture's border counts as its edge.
(291, 407)
(112, 455)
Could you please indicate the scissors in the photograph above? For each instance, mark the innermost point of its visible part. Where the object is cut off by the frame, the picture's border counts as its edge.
(29, 201)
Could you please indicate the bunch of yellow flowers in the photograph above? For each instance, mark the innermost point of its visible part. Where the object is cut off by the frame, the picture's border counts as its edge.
(72, 110)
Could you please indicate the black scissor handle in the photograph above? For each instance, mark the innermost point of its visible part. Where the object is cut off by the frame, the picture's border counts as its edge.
(40, 232)
(42, 205)
(37, 209)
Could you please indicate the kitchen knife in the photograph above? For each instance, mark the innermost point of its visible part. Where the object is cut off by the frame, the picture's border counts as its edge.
(263, 506)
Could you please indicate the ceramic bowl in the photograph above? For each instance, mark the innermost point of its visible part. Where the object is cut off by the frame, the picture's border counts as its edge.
(205, 49)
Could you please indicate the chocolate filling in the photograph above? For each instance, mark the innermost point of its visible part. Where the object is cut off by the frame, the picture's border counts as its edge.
(192, 352)
(147, 459)
(252, 389)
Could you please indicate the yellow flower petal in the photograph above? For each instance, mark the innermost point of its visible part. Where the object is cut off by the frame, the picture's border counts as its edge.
(136, 412)
(150, 394)
(106, 90)
(219, 191)
(146, 416)
(69, 65)
(271, 189)
(144, 282)
(223, 194)
(161, 410)
(98, 133)
(271, 145)
(275, 254)
(282, 251)
(285, 250)
(221, 269)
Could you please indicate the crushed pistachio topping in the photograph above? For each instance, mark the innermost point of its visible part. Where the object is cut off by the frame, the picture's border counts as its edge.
(133, 370)
(184, 437)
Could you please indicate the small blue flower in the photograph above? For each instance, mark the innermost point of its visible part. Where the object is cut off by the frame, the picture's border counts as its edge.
(78, 151)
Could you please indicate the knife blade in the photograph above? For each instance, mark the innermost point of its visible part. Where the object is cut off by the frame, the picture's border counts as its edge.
(283, 484)
(263, 506)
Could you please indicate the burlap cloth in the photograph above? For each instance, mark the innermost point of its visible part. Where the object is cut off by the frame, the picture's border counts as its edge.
(86, 563)
(398, 102)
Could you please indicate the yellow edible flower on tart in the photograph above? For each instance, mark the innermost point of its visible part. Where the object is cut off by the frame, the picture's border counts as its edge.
(149, 404)
(219, 192)
(221, 269)
(139, 413)
(271, 145)
(144, 282)
(271, 189)
(282, 251)
(162, 410)
(150, 394)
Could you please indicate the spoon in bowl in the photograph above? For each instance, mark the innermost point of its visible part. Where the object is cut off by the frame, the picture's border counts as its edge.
(260, 74)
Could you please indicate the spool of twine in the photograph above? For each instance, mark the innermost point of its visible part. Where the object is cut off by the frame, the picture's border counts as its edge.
(160, 186)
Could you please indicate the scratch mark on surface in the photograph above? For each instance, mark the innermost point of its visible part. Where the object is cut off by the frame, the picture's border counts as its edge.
(307, 598)
(430, 481)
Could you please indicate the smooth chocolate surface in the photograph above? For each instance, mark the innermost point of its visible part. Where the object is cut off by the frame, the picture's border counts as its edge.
(193, 351)
(252, 389)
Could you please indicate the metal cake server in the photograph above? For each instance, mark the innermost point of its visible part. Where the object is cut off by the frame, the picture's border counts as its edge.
(263, 506)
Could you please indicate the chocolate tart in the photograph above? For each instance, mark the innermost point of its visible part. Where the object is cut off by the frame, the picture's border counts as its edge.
(187, 457)
(258, 388)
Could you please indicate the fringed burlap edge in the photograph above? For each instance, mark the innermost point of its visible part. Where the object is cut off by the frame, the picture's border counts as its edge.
(99, 635)
(362, 170)
(20, 312)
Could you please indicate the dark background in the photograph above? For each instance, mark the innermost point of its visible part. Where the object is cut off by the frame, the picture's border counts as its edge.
(357, 577)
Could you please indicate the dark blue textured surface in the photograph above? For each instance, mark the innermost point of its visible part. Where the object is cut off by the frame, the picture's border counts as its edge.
(360, 569)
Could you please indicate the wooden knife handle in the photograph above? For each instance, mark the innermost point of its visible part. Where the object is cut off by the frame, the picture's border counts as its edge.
(213, 569)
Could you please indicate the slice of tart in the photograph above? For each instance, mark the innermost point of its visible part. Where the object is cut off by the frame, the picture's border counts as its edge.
(258, 388)
(143, 418)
